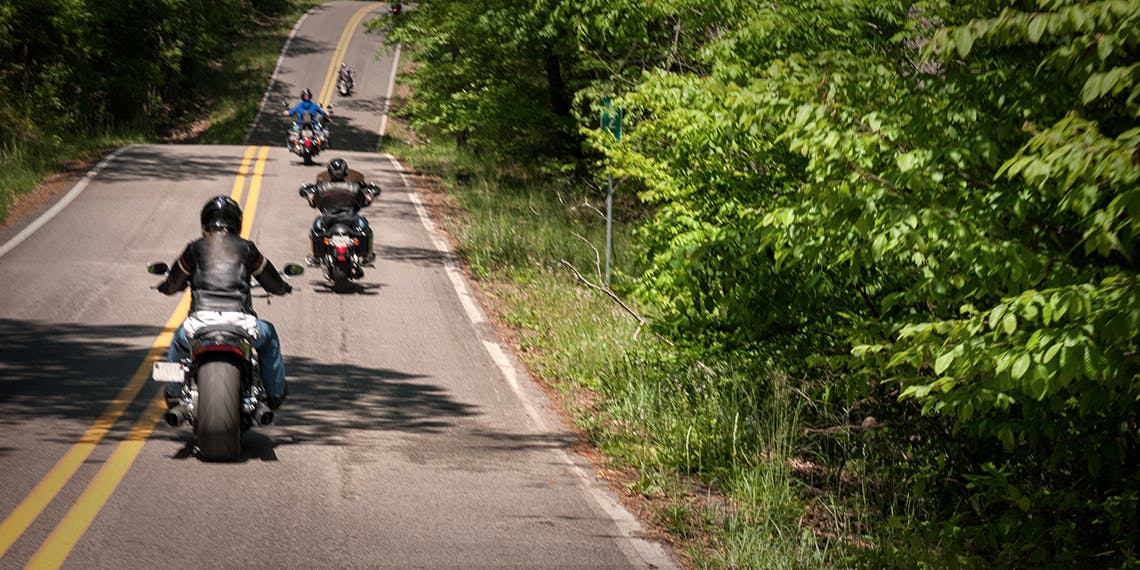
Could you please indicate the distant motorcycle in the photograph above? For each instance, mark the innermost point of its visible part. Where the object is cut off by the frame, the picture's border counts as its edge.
(395, 8)
(345, 81)
(310, 139)
(341, 247)
(222, 394)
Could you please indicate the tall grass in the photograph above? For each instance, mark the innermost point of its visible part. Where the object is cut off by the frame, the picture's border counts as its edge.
(710, 442)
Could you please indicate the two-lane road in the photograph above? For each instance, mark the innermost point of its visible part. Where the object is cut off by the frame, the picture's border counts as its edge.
(409, 439)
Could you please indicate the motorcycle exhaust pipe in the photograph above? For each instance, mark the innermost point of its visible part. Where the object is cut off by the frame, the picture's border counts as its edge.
(263, 416)
(177, 415)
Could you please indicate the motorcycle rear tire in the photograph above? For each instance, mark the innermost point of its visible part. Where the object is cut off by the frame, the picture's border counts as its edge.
(218, 422)
(340, 278)
(308, 159)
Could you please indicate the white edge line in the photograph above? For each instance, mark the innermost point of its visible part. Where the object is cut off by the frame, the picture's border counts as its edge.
(391, 92)
(273, 78)
(645, 553)
(59, 206)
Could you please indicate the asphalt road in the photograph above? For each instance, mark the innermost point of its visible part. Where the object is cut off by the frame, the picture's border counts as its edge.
(410, 438)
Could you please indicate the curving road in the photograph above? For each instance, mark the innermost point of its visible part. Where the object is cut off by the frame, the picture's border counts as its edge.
(410, 439)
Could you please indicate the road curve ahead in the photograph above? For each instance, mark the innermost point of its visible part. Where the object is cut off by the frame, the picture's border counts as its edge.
(409, 440)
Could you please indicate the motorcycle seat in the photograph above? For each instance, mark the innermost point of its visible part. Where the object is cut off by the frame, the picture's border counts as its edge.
(222, 330)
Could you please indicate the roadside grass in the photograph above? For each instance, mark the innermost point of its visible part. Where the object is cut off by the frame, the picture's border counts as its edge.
(25, 164)
(706, 446)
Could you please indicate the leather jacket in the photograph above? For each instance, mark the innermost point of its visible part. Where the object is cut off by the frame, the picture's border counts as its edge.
(217, 267)
(340, 200)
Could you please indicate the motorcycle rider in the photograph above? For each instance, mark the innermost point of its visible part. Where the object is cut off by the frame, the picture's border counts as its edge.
(345, 74)
(217, 267)
(307, 106)
(339, 193)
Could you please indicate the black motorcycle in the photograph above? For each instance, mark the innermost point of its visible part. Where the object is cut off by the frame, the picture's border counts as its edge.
(222, 394)
(308, 141)
(345, 81)
(341, 245)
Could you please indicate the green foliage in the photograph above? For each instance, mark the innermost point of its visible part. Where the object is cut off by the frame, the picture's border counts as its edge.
(77, 75)
(926, 211)
(967, 227)
(73, 64)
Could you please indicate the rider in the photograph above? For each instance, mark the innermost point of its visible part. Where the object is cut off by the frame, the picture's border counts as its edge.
(345, 73)
(339, 194)
(306, 106)
(217, 267)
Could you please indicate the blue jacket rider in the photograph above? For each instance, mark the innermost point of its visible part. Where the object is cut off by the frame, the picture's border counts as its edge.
(306, 106)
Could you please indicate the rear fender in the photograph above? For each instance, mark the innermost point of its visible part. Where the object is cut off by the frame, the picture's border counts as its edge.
(220, 345)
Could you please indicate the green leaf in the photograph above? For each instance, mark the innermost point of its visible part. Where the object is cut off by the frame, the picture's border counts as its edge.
(963, 41)
(1051, 353)
(907, 161)
(1009, 323)
(943, 362)
(1037, 28)
(1020, 365)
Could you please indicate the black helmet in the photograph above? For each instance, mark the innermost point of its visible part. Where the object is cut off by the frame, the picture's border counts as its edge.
(306, 95)
(221, 213)
(338, 169)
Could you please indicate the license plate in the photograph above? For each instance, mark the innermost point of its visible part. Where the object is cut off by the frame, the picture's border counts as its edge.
(169, 372)
(340, 240)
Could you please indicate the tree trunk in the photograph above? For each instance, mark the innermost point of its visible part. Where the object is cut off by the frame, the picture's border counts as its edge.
(559, 97)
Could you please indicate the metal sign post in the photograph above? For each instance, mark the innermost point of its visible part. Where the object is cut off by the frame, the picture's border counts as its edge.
(611, 123)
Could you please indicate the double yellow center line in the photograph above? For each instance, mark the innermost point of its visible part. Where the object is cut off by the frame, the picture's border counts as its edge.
(67, 533)
(59, 544)
(338, 55)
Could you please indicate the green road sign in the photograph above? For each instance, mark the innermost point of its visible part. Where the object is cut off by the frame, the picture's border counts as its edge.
(611, 118)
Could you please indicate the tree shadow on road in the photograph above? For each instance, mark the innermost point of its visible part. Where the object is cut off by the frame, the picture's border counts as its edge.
(74, 371)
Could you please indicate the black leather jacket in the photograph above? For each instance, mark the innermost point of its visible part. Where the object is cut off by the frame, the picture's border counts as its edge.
(217, 267)
(339, 200)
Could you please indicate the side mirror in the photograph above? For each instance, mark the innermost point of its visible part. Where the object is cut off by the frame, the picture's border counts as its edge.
(157, 268)
(293, 269)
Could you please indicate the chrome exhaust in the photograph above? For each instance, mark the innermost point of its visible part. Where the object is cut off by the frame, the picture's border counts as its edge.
(177, 415)
(262, 416)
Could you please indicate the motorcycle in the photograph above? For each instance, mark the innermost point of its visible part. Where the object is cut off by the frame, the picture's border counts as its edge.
(344, 81)
(395, 8)
(222, 395)
(308, 141)
(345, 251)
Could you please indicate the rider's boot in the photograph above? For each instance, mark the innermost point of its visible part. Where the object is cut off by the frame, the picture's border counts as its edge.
(317, 246)
(275, 402)
(371, 255)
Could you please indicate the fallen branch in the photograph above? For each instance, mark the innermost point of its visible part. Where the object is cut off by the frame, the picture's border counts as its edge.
(609, 293)
(868, 424)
